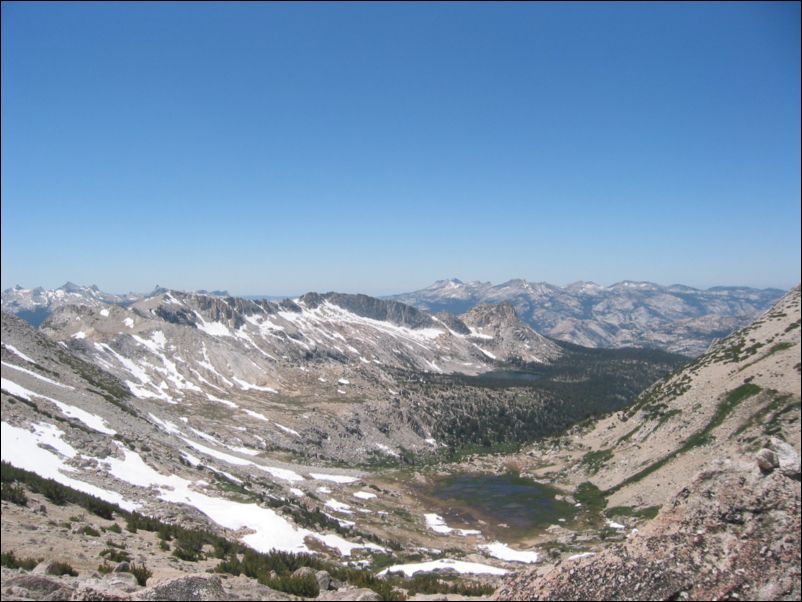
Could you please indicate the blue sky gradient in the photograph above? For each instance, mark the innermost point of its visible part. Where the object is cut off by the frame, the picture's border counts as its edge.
(281, 148)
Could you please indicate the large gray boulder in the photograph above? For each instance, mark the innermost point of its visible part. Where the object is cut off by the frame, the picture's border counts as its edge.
(193, 587)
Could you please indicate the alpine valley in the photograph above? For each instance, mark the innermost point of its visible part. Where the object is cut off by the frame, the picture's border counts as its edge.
(518, 441)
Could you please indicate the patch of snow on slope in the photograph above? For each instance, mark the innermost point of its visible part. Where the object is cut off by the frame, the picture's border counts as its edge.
(503, 552)
(485, 351)
(287, 429)
(225, 402)
(93, 421)
(387, 450)
(272, 532)
(215, 329)
(473, 568)
(279, 473)
(246, 386)
(436, 523)
(256, 415)
(21, 448)
(39, 376)
(334, 478)
(165, 424)
(338, 506)
(19, 353)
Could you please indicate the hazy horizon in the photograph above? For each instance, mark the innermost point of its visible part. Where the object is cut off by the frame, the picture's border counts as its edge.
(369, 147)
(270, 294)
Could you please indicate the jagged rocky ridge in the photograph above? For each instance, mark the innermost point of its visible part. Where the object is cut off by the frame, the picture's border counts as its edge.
(676, 318)
(716, 446)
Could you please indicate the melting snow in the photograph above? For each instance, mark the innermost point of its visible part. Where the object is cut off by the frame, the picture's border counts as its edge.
(444, 563)
(364, 495)
(487, 353)
(225, 402)
(271, 530)
(16, 351)
(21, 448)
(338, 506)
(287, 429)
(104, 313)
(279, 473)
(334, 478)
(504, 552)
(93, 421)
(436, 523)
(582, 555)
(216, 329)
(247, 386)
(129, 322)
(39, 376)
(387, 450)
(256, 415)
(191, 459)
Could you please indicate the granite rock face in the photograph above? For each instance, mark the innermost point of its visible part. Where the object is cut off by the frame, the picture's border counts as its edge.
(675, 318)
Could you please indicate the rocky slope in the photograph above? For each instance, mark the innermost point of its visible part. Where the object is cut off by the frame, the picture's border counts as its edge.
(347, 377)
(715, 446)
(222, 414)
(675, 318)
(67, 420)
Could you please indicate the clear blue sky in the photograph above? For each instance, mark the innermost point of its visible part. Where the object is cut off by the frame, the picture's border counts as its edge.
(281, 148)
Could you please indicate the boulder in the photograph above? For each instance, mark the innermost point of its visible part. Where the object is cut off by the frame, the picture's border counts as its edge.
(33, 586)
(306, 571)
(358, 594)
(787, 458)
(766, 460)
(323, 580)
(193, 587)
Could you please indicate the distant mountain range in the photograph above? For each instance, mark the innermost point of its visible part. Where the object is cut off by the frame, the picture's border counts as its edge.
(34, 305)
(675, 318)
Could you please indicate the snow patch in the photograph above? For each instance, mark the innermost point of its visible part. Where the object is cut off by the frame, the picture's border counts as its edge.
(256, 415)
(503, 552)
(93, 421)
(334, 478)
(436, 523)
(338, 506)
(19, 353)
(39, 376)
(287, 429)
(20, 447)
(462, 567)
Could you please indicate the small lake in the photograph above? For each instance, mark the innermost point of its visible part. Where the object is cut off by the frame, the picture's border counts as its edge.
(520, 503)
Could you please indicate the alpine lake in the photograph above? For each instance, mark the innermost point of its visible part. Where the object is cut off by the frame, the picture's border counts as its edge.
(504, 505)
